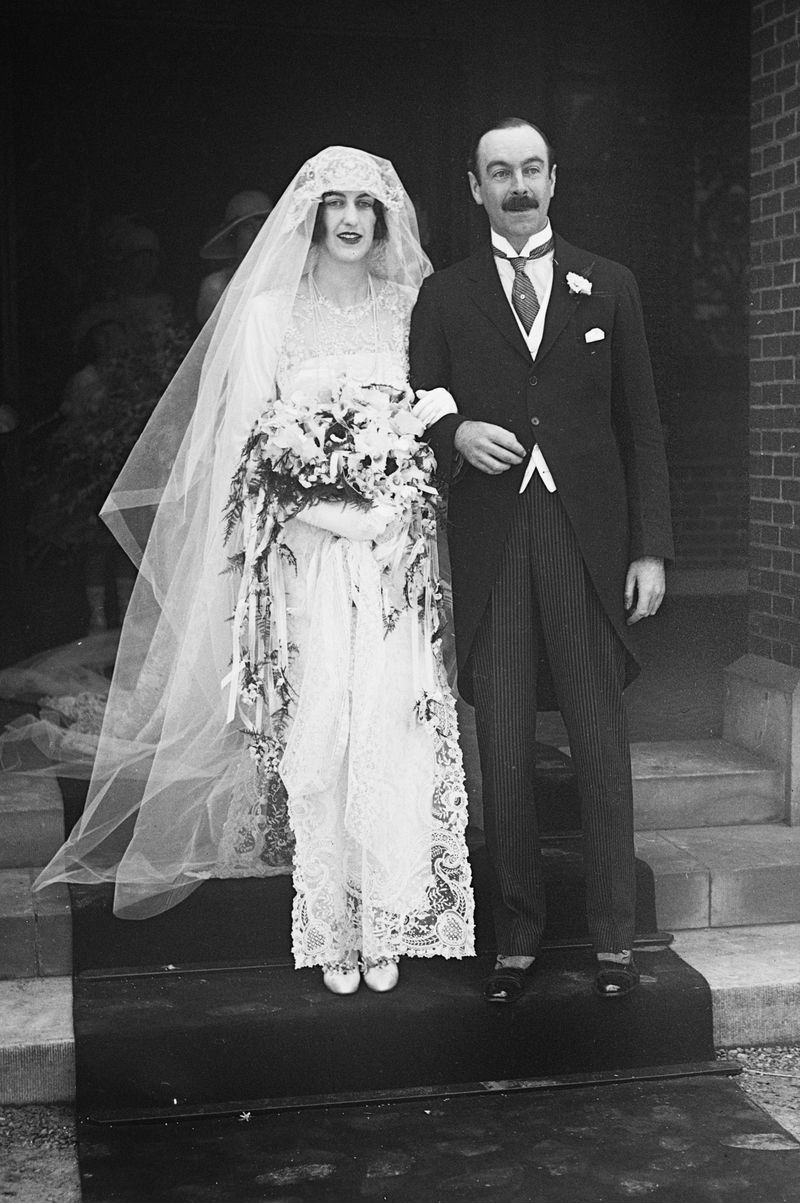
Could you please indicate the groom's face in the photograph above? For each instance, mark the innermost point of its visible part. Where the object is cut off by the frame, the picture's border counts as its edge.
(514, 182)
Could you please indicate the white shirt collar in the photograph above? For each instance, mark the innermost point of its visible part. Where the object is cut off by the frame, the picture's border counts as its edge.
(533, 242)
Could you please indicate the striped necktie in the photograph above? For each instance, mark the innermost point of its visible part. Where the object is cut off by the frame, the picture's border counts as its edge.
(523, 294)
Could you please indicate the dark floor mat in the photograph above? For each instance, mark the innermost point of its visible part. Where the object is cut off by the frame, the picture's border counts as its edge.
(177, 1040)
(692, 1139)
(201, 1005)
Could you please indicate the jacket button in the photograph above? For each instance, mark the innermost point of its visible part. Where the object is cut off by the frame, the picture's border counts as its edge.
(534, 421)
(533, 380)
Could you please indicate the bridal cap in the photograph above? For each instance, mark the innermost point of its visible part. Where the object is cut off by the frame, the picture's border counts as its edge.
(345, 169)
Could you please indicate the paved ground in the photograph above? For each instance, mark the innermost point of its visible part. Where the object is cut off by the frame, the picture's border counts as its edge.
(38, 1143)
(38, 1161)
(771, 1076)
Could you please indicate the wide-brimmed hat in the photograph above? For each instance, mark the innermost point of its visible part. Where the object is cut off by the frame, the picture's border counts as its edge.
(240, 207)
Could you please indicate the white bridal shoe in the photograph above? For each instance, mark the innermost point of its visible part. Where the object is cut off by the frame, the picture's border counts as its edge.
(344, 977)
(382, 976)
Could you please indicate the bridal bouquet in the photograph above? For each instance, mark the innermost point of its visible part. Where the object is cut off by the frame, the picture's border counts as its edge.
(355, 443)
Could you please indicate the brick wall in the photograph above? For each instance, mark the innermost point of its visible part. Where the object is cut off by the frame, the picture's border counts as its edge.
(774, 594)
(709, 513)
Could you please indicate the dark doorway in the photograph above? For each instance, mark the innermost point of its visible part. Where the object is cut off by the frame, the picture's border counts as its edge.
(163, 111)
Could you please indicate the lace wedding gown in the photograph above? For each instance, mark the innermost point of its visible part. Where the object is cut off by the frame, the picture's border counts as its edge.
(367, 799)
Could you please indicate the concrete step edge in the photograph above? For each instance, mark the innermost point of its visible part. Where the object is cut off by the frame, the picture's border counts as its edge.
(31, 820)
(724, 876)
(37, 1042)
(35, 928)
(697, 758)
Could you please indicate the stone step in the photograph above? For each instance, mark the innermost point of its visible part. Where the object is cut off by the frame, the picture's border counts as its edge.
(676, 783)
(724, 876)
(703, 783)
(753, 973)
(31, 819)
(35, 929)
(37, 1042)
(704, 878)
(707, 816)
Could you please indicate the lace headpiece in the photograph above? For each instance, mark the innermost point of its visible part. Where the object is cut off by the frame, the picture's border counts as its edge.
(345, 169)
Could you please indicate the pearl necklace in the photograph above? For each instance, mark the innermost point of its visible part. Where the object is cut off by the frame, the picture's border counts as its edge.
(325, 313)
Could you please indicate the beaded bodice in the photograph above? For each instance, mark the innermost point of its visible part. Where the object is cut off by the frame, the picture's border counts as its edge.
(367, 341)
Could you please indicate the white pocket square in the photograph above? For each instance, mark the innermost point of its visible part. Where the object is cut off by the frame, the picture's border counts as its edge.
(594, 336)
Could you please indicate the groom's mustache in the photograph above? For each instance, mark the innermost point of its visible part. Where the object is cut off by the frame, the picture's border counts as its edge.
(518, 204)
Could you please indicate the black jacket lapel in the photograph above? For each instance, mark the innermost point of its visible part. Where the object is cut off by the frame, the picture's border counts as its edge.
(562, 302)
(487, 293)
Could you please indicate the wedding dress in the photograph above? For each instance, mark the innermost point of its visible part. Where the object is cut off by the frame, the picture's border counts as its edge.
(364, 798)
(368, 799)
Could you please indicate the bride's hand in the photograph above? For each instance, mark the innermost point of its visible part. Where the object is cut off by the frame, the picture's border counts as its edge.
(348, 521)
(432, 405)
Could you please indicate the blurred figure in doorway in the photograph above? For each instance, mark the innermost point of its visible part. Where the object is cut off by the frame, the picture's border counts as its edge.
(131, 265)
(244, 216)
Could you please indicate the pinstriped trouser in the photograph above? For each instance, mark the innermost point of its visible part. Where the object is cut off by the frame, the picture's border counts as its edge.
(543, 591)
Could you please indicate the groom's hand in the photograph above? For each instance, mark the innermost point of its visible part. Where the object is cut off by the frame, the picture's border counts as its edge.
(489, 448)
(644, 584)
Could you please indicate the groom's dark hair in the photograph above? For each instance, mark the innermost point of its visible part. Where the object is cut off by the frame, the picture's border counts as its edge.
(381, 229)
(508, 123)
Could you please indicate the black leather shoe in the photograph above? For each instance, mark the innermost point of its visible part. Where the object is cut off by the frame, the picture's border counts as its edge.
(616, 979)
(505, 984)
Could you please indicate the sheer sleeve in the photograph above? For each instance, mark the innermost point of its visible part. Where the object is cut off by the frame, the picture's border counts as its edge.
(260, 352)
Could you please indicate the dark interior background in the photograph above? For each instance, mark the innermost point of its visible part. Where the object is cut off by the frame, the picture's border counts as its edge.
(164, 110)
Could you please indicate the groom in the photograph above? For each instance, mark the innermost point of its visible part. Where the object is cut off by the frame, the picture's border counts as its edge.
(558, 529)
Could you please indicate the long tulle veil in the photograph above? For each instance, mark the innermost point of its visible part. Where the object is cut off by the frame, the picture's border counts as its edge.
(167, 760)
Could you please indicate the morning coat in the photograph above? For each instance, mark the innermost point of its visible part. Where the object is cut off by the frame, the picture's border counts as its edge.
(590, 404)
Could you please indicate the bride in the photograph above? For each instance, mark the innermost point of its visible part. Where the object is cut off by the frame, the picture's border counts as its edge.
(279, 702)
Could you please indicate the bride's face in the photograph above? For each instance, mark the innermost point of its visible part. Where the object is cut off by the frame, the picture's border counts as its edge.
(349, 225)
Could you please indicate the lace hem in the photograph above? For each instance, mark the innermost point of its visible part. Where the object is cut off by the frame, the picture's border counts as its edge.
(325, 926)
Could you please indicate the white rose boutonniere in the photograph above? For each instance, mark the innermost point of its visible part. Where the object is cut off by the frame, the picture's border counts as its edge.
(579, 285)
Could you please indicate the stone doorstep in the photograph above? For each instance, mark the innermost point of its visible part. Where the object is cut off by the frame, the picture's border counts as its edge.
(753, 972)
(35, 929)
(754, 975)
(31, 819)
(703, 783)
(682, 884)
